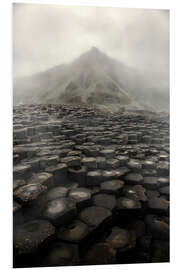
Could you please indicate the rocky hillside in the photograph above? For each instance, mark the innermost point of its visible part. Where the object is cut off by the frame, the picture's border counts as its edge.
(93, 78)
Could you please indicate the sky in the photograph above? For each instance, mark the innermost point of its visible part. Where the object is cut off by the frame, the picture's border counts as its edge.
(48, 35)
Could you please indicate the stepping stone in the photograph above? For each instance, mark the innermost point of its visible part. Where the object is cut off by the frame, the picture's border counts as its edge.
(129, 193)
(57, 192)
(124, 203)
(60, 211)
(78, 175)
(43, 178)
(163, 181)
(59, 173)
(82, 197)
(100, 253)
(113, 163)
(94, 178)
(95, 215)
(119, 238)
(149, 172)
(133, 178)
(76, 232)
(31, 235)
(158, 205)
(89, 162)
(148, 164)
(21, 172)
(104, 200)
(141, 192)
(123, 160)
(18, 183)
(72, 161)
(112, 187)
(29, 193)
(151, 183)
(164, 190)
(108, 175)
(157, 228)
(108, 153)
(163, 168)
(134, 165)
(62, 254)
(101, 162)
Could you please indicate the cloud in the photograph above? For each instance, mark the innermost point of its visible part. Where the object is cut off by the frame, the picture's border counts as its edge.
(49, 35)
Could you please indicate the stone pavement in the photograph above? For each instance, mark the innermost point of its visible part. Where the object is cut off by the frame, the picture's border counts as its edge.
(89, 187)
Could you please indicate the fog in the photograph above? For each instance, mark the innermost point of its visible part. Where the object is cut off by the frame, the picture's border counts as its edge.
(48, 35)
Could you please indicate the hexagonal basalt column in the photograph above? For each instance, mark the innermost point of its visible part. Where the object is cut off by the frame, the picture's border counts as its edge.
(112, 187)
(75, 232)
(108, 153)
(59, 173)
(72, 161)
(43, 178)
(60, 211)
(78, 175)
(105, 200)
(89, 163)
(133, 178)
(31, 235)
(95, 215)
(82, 196)
(57, 192)
(94, 178)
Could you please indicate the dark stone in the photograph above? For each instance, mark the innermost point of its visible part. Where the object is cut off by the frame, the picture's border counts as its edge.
(62, 254)
(100, 253)
(105, 200)
(76, 232)
(72, 161)
(133, 178)
(29, 236)
(124, 203)
(57, 192)
(18, 183)
(112, 187)
(43, 178)
(60, 211)
(150, 183)
(94, 215)
(94, 178)
(82, 196)
(158, 205)
(78, 175)
(28, 193)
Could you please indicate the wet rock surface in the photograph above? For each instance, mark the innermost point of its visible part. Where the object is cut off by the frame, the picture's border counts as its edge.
(89, 187)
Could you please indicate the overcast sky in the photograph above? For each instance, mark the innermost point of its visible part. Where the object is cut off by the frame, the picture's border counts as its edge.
(49, 35)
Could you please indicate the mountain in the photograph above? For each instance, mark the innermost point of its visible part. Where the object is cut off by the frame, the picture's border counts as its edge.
(93, 78)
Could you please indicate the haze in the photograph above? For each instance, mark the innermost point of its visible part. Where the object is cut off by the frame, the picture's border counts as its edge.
(48, 35)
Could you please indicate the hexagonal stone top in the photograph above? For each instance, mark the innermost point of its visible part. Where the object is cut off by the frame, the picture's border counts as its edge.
(29, 192)
(94, 215)
(57, 192)
(58, 207)
(113, 185)
(126, 203)
(80, 194)
(119, 238)
(29, 236)
(74, 233)
(133, 178)
(105, 200)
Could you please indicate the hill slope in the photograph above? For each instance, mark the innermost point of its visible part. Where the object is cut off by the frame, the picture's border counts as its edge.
(93, 78)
